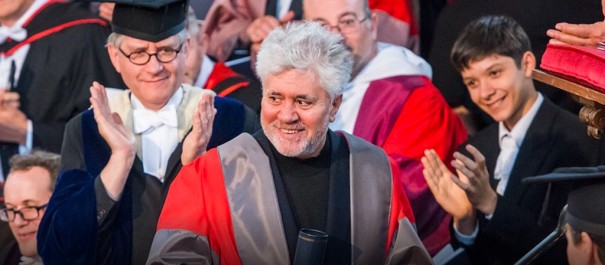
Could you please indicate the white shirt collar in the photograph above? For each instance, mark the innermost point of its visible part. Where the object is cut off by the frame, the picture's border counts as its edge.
(205, 71)
(520, 129)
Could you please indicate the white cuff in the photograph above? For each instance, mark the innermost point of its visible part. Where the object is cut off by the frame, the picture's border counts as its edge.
(467, 240)
(29, 139)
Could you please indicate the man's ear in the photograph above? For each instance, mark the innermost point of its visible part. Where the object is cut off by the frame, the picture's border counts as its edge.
(113, 55)
(374, 26)
(203, 42)
(335, 106)
(528, 63)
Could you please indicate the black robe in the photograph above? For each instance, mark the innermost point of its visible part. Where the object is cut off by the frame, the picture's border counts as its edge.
(58, 70)
(82, 225)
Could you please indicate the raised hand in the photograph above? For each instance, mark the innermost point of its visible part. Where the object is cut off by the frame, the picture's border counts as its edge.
(120, 140)
(477, 188)
(196, 142)
(13, 122)
(262, 26)
(447, 193)
(111, 127)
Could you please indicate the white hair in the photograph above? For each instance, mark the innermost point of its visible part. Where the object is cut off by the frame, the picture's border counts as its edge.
(308, 46)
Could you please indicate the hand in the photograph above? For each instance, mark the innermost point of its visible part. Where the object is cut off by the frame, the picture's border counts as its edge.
(478, 188)
(578, 34)
(9, 99)
(106, 11)
(13, 122)
(120, 140)
(196, 142)
(262, 26)
(111, 127)
(451, 197)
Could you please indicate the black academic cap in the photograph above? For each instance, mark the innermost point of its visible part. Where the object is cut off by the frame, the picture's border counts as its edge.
(150, 20)
(586, 200)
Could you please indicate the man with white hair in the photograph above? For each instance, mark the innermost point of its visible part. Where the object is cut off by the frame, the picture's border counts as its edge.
(249, 198)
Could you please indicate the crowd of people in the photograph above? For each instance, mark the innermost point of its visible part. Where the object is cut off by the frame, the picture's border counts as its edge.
(127, 136)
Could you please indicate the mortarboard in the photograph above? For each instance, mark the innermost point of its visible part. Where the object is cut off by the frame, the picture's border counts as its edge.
(150, 20)
(586, 200)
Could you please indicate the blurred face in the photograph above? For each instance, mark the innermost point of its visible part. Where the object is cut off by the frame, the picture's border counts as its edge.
(154, 82)
(360, 38)
(22, 189)
(295, 112)
(500, 88)
(195, 56)
(12, 10)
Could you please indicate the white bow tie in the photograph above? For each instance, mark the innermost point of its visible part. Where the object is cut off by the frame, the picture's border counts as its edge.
(145, 120)
(15, 33)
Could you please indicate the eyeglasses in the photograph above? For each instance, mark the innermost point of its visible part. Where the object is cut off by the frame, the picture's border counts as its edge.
(164, 55)
(28, 213)
(346, 24)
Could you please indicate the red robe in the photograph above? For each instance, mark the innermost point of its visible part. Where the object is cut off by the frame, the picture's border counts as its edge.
(222, 209)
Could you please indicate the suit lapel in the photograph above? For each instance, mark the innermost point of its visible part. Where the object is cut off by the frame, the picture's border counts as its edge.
(534, 150)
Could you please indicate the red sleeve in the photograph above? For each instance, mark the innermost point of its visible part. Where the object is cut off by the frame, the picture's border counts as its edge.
(197, 202)
(426, 121)
(400, 205)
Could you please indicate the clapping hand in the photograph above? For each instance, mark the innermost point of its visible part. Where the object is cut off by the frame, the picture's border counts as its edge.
(442, 183)
(111, 127)
(478, 188)
(121, 141)
(196, 142)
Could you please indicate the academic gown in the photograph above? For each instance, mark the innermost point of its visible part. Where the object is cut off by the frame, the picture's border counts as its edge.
(393, 104)
(239, 214)
(70, 232)
(66, 55)
(227, 83)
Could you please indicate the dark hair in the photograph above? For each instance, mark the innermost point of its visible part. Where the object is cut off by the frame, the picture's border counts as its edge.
(597, 240)
(490, 35)
(38, 158)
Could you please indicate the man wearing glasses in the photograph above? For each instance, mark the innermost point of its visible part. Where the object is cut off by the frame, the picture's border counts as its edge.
(391, 102)
(128, 149)
(26, 192)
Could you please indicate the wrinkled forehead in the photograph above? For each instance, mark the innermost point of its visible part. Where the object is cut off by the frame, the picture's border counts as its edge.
(332, 10)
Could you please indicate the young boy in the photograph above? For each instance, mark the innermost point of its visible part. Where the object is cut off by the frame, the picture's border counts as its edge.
(495, 217)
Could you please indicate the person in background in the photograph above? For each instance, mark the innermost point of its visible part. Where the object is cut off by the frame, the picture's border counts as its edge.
(120, 158)
(27, 190)
(391, 102)
(50, 52)
(202, 72)
(496, 218)
(584, 217)
(295, 173)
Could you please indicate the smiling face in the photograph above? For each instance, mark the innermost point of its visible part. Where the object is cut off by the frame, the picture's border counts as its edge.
(500, 88)
(295, 113)
(155, 82)
(27, 188)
